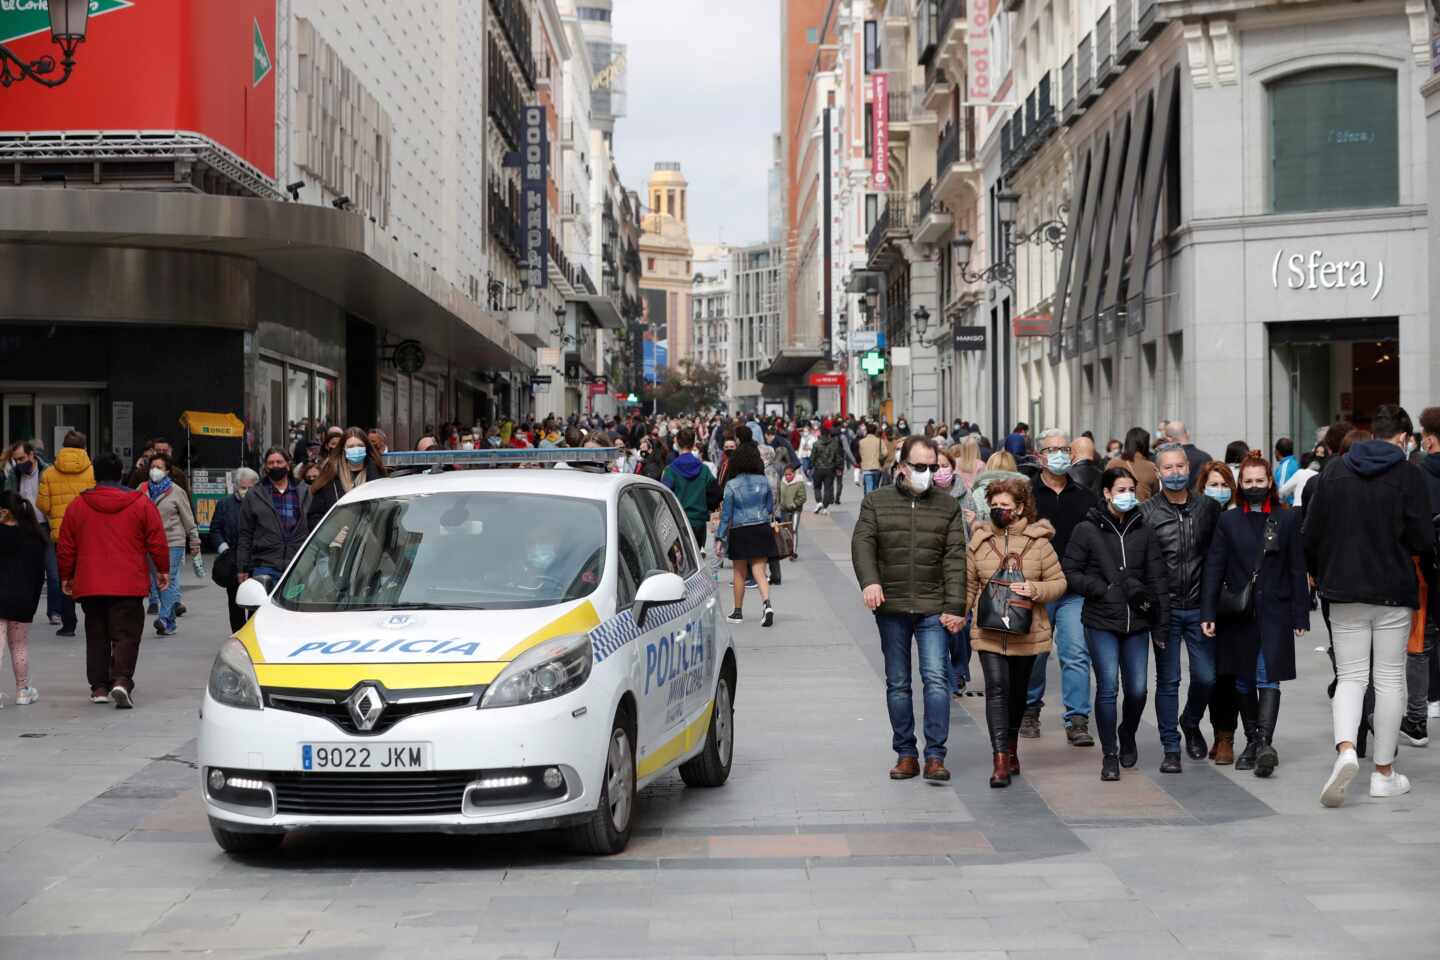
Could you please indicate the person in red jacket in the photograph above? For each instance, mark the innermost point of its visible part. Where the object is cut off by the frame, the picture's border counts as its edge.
(109, 531)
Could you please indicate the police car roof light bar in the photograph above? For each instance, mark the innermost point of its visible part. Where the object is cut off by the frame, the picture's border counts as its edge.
(436, 459)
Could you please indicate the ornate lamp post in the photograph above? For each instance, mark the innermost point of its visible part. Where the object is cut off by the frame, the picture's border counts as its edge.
(68, 19)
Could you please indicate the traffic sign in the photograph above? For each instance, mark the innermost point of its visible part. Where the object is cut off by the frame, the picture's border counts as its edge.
(873, 364)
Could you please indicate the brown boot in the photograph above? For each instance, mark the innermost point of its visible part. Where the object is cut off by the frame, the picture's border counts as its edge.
(1224, 753)
(935, 769)
(906, 768)
(1012, 757)
(1001, 776)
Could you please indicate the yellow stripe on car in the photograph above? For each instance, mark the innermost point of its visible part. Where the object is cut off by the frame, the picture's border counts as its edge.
(679, 745)
(395, 676)
(582, 619)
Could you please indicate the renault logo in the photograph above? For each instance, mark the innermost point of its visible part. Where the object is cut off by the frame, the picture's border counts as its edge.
(365, 706)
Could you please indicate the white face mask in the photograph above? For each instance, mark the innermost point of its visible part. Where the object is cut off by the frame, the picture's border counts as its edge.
(920, 480)
(156, 475)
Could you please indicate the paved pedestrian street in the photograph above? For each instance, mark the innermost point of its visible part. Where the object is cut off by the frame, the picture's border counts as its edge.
(808, 851)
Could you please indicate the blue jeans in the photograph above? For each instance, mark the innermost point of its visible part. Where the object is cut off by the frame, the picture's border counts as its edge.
(960, 657)
(54, 596)
(871, 479)
(1262, 680)
(896, 632)
(1184, 626)
(1074, 660)
(1118, 658)
(171, 594)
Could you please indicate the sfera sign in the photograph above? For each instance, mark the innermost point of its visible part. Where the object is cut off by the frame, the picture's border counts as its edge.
(1313, 270)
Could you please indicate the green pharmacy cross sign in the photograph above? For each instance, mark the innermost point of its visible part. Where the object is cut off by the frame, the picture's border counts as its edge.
(25, 18)
(873, 364)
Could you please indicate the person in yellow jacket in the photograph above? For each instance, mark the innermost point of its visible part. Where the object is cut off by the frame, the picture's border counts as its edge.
(62, 482)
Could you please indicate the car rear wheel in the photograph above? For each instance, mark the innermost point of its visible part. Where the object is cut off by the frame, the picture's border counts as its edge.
(711, 767)
(235, 841)
(608, 829)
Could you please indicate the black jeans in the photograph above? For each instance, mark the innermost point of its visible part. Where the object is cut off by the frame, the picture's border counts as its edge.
(1007, 679)
(113, 627)
(237, 612)
(825, 487)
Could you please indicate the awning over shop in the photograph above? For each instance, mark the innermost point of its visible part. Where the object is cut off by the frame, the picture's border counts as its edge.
(607, 315)
(138, 256)
(791, 365)
(212, 424)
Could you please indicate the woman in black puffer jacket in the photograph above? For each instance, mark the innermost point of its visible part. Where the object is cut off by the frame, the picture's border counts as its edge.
(1115, 563)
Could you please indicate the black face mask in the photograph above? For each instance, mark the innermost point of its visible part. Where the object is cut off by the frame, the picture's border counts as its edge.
(1000, 517)
(276, 474)
(1255, 495)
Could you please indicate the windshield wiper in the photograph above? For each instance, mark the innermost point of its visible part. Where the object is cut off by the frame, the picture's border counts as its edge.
(409, 605)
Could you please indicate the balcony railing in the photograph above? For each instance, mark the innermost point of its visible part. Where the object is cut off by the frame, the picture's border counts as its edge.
(899, 102)
(927, 34)
(1067, 89)
(582, 281)
(504, 99)
(1126, 48)
(504, 221)
(955, 147)
(571, 204)
(1104, 50)
(1085, 91)
(924, 201)
(514, 20)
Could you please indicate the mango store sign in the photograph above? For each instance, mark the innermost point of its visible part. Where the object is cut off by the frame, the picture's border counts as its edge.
(1315, 271)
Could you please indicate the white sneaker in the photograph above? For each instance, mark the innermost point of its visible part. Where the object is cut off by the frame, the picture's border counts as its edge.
(817, 507)
(1346, 766)
(1432, 710)
(1395, 785)
(26, 696)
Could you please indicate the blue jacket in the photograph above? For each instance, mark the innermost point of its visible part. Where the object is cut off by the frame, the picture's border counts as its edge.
(748, 501)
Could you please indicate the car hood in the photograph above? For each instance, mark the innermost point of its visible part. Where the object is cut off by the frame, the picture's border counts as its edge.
(401, 648)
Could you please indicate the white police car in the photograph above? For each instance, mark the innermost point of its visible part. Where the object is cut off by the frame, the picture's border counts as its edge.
(473, 651)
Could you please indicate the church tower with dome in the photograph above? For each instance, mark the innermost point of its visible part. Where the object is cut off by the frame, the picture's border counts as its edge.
(667, 263)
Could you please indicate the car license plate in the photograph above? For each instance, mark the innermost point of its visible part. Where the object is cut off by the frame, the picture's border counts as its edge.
(380, 757)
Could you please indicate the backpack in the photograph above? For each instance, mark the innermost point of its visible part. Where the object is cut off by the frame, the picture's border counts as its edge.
(999, 608)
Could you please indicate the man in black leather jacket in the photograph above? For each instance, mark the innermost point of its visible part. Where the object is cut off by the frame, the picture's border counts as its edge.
(1183, 523)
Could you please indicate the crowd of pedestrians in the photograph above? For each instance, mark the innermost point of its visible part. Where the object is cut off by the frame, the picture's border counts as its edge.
(1154, 544)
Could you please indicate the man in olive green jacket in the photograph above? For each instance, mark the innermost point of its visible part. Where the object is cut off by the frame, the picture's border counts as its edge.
(908, 551)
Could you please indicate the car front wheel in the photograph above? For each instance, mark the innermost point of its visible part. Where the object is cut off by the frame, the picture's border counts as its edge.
(711, 767)
(608, 829)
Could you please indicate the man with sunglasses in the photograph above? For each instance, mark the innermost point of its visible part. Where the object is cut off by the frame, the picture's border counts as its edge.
(1064, 502)
(908, 551)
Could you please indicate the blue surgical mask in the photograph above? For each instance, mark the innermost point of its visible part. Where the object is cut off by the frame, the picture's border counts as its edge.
(1176, 482)
(1124, 502)
(355, 454)
(1220, 495)
(1057, 462)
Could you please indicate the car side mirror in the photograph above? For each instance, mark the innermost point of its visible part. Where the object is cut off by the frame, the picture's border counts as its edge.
(251, 594)
(657, 588)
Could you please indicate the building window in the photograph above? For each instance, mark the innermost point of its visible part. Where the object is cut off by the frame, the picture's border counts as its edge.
(872, 47)
(1334, 140)
(812, 35)
(872, 211)
(869, 131)
(593, 13)
(650, 264)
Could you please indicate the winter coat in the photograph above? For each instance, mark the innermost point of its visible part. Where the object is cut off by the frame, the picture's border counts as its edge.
(792, 494)
(1365, 517)
(61, 483)
(262, 539)
(1111, 561)
(827, 456)
(326, 497)
(27, 485)
(22, 572)
(225, 523)
(1040, 566)
(1282, 596)
(1088, 474)
(872, 451)
(914, 548)
(176, 517)
(1065, 510)
(693, 485)
(108, 533)
(748, 501)
(1184, 533)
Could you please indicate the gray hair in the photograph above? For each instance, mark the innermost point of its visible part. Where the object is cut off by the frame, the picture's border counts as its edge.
(1165, 448)
(245, 474)
(1051, 434)
(1175, 429)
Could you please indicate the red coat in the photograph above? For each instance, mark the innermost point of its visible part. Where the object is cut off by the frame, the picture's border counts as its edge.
(107, 533)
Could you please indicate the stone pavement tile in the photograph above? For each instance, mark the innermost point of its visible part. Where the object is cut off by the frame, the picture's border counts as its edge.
(929, 955)
(229, 938)
(1033, 939)
(113, 911)
(640, 947)
(60, 946)
(362, 935)
(960, 842)
(824, 943)
(779, 845)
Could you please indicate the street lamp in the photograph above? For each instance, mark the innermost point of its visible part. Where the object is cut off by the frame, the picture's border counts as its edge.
(922, 321)
(999, 272)
(68, 20)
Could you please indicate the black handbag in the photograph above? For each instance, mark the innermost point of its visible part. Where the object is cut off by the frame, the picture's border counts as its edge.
(999, 608)
(223, 571)
(1239, 605)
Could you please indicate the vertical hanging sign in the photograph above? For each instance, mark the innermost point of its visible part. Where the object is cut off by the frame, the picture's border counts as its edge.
(880, 115)
(535, 198)
(977, 40)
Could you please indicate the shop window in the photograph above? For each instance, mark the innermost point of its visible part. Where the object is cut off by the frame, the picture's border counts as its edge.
(1334, 140)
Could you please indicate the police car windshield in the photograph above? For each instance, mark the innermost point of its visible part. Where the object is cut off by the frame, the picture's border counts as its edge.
(460, 551)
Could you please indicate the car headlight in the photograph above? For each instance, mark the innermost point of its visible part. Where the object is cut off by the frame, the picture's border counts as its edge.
(232, 677)
(554, 668)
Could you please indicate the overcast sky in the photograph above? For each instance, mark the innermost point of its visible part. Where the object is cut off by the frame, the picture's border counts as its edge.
(704, 89)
